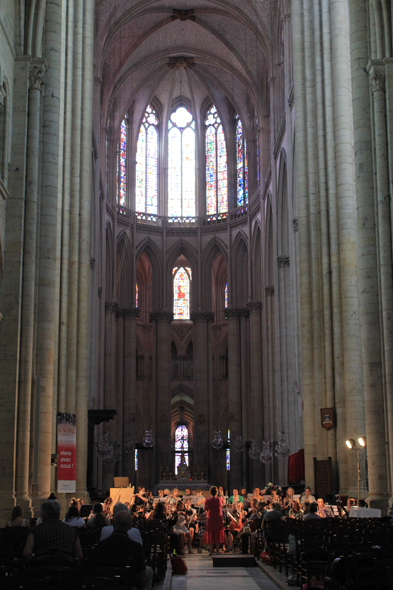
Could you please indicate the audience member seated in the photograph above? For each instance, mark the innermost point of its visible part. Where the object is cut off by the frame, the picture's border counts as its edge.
(133, 533)
(271, 516)
(118, 549)
(17, 518)
(296, 511)
(98, 520)
(307, 496)
(312, 514)
(53, 542)
(159, 516)
(324, 511)
(72, 518)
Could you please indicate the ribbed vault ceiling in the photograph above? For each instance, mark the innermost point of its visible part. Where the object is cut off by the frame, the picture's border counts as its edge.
(140, 46)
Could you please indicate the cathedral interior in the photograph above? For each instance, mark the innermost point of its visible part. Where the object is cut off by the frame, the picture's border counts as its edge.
(196, 244)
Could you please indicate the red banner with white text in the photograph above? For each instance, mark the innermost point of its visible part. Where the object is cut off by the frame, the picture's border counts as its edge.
(66, 450)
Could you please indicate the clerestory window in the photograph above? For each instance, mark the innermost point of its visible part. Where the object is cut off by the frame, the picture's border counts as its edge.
(181, 164)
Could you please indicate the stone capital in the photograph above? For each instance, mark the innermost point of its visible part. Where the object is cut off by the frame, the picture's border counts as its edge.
(233, 312)
(283, 260)
(36, 75)
(269, 290)
(202, 316)
(295, 224)
(254, 306)
(111, 307)
(377, 74)
(161, 316)
(2, 95)
(130, 312)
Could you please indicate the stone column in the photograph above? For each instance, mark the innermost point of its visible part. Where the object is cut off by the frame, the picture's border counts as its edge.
(129, 395)
(46, 311)
(36, 79)
(374, 420)
(162, 432)
(256, 419)
(235, 392)
(203, 387)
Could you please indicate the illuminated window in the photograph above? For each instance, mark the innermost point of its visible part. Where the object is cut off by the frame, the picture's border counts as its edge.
(136, 459)
(241, 164)
(146, 189)
(181, 164)
(228, 454)
(136, 296)
(121, 164)
(216, 165)
(181, 446)
(226, 295)
(181, 293)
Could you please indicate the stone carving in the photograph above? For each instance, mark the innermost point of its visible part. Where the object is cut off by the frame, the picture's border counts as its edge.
(92, 263)
(161, 316)
(202, 316)
(111, 307)
(182, 332)
(283, 260)
(130, 312)
(36, 76)
(269, 290)
(377, 77)
(183, 15)
(295, 223)
(176, 63)
(201, 419)
(254, 306)
(232, 312)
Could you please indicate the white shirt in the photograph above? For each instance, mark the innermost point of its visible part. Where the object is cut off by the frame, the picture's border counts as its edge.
(75, 521)
(133, 533)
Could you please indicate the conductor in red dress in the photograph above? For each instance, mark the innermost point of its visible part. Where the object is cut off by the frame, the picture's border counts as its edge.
(214, 531)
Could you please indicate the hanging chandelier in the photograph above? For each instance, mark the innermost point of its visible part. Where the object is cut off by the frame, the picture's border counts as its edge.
(282, 448)
(254, 450)
(217, 442)
(108, 450)
(148, 440)
(266, 455)
(238, 444)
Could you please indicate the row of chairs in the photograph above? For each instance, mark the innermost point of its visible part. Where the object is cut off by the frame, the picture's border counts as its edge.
(351, 554)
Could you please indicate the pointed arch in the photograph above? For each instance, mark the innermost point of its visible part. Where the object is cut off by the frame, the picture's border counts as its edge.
(109, 261)
(268, 248)
(256, 263)
(239, 286)
(282, 206)
(124, 287)
(214, 247)
(149, 248)
(182, 248)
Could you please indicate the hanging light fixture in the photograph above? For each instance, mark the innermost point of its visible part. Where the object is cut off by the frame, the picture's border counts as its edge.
(129, 444)
(254, 450)
(266, 455)
(282, 448)
(148, 440)
(238, 444)
(217, 442)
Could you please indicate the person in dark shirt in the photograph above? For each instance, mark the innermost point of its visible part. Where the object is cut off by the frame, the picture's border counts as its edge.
(52, 542)
(118, 549)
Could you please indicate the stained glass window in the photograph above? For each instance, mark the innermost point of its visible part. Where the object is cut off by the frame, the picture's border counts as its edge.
(146, 188)
(121, 164)
(226, 295)
(136, 296)
(181, 293)
(136, 459)
(216, 165)
(181, 164)
(181, 446)
(228, 453)
(241, 164)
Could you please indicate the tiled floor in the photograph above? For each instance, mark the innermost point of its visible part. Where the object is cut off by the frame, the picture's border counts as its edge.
(202, 576)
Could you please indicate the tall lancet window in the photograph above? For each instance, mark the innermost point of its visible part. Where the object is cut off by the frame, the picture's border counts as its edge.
(226, 296)
(146, 190)
(181, 164)
(181, 293)
(241, 164)
(216, 165)
(181, 446)
(121, 164)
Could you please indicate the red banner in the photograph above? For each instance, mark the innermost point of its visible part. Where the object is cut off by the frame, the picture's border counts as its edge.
(66, 450)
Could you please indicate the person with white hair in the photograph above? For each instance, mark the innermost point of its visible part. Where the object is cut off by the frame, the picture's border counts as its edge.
(132, 532)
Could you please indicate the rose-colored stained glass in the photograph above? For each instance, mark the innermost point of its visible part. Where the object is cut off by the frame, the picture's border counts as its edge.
(181, 293)
(241, 164)
(216, 165)
(122, 163)
(181, 164)
(146, 189)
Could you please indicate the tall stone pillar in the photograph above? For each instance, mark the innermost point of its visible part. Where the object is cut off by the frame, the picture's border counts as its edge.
(129, 393)
(256, 383)
(235, 393)
(203, 398)
(46, 309)
(36, 79)
(162, 433)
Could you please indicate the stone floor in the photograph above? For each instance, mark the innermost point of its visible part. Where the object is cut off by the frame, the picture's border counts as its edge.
(201, 575)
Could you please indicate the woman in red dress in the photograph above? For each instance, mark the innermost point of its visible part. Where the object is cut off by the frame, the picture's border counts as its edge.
(214, 531)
